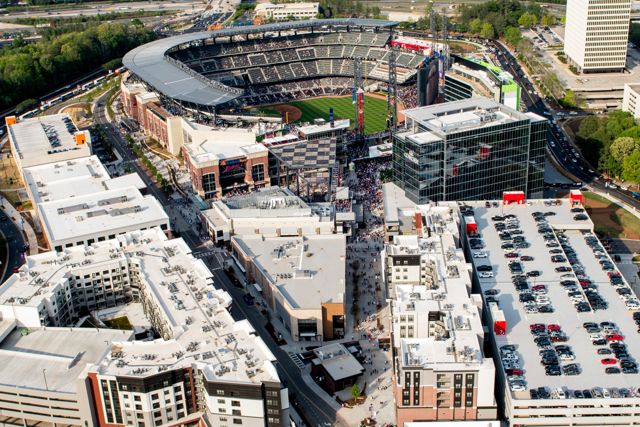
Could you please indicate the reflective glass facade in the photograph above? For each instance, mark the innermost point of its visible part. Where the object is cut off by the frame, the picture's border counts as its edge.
(471, 162)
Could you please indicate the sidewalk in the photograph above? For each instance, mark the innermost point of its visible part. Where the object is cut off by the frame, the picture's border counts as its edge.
(22, 225)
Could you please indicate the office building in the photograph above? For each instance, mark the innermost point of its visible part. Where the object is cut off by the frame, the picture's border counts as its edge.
(631, 100)
(204, 369)
(440, 370)
(596, 34)
(272, 212)
(287, 11)
(470, 77)
(472, 149)
(302, 280)
(557, 363)
(223, 160)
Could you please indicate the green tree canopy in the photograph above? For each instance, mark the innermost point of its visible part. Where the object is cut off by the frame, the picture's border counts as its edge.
(513, 36)
(631, 167)
(487, 31)
(475, 26)
(622, 147)
(355, 391)
(528, 20)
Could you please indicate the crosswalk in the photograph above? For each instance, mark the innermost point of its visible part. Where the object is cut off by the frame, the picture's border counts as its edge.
(296, 359)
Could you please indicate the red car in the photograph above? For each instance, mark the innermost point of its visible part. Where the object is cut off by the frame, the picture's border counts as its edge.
(516, 372)
(511, 255)
(614, 337)
(613, 274)
(608, 361)
(539, 287)
(553, 327)
(536, 326)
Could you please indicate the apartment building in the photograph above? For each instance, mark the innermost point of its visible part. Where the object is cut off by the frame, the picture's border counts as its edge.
(473, 149)
(597, 34)
(204, 365)
(440, 370)
(631, 100)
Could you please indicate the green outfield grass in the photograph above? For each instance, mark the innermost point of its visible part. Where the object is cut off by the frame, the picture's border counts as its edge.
(375, 111)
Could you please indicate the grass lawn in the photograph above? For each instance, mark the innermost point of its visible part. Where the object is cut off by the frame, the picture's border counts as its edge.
(119, 323)
(609, 219)
(375, 111)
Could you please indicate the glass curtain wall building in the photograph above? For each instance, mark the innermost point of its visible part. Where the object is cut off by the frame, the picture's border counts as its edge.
(473, 149)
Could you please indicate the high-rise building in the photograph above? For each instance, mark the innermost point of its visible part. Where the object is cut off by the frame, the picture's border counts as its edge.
(596, 35)
(474, 149)
(631, 100)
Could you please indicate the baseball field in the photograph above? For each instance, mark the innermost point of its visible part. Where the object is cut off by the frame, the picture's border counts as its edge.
(375, 110)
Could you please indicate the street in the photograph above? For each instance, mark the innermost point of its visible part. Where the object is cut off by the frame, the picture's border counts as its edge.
(15, 243)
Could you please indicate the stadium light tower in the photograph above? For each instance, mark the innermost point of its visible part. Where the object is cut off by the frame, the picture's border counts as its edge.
(392, 88)
(358, 97)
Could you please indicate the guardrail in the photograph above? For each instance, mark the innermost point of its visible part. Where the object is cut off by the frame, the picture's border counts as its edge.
(214, 84)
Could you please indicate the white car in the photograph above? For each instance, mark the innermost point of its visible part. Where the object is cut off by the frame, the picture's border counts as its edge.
(567, 356)
(531, 309)
(632, 304)
(595, 337)
(480, 255)
(485, 274)
(517, 386)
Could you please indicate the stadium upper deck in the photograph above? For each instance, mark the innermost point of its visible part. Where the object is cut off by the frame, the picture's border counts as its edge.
(152, 64)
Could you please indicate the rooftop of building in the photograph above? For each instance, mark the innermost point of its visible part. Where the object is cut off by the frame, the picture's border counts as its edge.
(565, 315)
(216, 144)
(45, 139)
(307, 271)
(70, 178)
(51, 358)
(458, 116)
(98, 213)
(288, 6)
(323, 126)
(181, 287)
(337, 361)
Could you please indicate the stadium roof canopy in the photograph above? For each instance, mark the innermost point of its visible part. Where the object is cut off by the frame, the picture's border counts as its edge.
(174, 80)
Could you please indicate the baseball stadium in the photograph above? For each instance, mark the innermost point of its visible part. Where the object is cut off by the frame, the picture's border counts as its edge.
(297, 70)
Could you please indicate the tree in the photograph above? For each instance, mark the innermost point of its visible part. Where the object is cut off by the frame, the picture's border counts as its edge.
(548, 20)
(527, 20)
(487, 31)
(513, 36)
(569, 99)
(622, 147)
(355, 391)
(475, 26)
(631, 167)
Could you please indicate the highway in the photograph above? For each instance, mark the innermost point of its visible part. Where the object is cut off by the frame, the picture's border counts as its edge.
(90, 9)
(314, 408)
(564, 152)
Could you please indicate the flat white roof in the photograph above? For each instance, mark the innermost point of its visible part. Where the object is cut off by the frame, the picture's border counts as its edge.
(212, 145)
(46, 139)
(59, 354)
(105, 212)
(310, 130)
(518, 321)
(201, 330)
(338, 361)
(307, 271)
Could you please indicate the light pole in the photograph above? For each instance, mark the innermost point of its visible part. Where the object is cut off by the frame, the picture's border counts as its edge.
(44, 375)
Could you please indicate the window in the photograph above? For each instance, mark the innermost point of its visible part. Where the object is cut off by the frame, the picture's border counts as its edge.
(220, 392)
(209, 185)
(273, 420)
(257, 172)
(221, 401)
(136, 398)
(235, 403)
(237, 421)
(236, 412)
